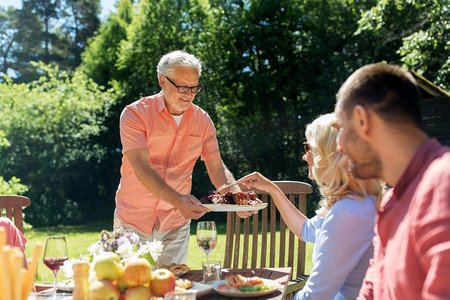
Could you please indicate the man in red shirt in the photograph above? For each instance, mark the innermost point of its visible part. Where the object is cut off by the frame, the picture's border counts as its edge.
(378, 109)
(162, 137)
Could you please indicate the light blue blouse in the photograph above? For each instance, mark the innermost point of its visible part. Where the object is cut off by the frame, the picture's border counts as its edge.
(342, 249)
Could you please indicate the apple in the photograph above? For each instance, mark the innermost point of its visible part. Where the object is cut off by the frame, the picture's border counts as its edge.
(103, 289)
(121, 285)
(137, 272)
(163, 281)
(107, 266)
(138, 293)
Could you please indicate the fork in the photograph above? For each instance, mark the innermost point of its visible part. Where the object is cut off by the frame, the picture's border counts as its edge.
(225, 185)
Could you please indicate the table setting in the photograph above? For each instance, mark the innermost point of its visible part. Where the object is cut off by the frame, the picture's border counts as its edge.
(207, 283)
(120, 267)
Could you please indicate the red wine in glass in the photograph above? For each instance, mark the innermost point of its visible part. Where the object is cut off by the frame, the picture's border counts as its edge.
(55, 254)
(54, 263)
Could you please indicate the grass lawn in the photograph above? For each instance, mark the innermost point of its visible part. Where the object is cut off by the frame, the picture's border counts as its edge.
(79, 238)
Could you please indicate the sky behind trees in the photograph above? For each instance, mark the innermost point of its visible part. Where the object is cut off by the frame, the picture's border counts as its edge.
(107, 6)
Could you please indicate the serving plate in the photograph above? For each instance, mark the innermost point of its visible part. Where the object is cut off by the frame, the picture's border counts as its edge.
(65, 285)
(270, 283)
(234, 207)
(201, 288)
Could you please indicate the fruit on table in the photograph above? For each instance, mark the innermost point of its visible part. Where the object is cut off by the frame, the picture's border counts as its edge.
(163, 281)
(121, 285)
(103, 290)
(107, 266)
(137, 272)
(137, 293)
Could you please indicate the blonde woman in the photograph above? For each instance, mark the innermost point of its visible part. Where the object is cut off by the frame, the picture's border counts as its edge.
(343, 228)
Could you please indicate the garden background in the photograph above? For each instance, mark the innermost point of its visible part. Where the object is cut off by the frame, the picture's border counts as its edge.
(270, 68)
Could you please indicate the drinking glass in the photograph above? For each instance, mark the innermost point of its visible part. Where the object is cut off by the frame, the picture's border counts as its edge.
(55, 254)
(206, 236)
(212, 271)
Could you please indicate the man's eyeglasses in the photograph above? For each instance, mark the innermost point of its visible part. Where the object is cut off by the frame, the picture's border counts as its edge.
(306, 147)
(185, 89)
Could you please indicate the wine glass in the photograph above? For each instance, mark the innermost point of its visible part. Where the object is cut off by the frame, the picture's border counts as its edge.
(206, 236)
(55, 254)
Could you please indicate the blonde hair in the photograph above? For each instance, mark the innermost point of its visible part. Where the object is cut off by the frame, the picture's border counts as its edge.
(329, 168)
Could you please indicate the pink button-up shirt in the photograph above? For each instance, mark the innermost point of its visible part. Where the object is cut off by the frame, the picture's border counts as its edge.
(412, 242)
(173, 152)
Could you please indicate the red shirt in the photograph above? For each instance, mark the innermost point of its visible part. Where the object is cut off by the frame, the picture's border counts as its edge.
(412, 242)
(173, 152)
(14, 237)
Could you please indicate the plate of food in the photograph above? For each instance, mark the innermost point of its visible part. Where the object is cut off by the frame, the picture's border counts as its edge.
(201, 289)
(65, 285)
(232, 201)
(234, 207)
(177, 269)
(238, 286)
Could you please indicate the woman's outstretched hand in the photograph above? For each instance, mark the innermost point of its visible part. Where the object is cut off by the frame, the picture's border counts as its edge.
(256, 180)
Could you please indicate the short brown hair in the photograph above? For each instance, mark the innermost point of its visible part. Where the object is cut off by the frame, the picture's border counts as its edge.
(388, 90)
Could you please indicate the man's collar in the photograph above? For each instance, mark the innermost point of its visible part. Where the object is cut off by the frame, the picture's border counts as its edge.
(160, 102)
(161, 105)
(424, 155)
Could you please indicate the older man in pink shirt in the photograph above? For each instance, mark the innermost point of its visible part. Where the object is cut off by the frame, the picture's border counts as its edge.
(378, 108)
(162, 137)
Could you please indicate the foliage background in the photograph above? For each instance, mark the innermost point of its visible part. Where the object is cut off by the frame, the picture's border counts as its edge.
(270, 68)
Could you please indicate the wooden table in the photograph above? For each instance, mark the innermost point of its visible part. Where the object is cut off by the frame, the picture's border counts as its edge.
(281, 275)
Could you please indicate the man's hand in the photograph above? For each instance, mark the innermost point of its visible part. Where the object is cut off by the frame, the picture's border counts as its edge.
(191, 208)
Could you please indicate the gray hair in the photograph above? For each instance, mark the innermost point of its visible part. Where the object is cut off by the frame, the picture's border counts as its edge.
(178, 58)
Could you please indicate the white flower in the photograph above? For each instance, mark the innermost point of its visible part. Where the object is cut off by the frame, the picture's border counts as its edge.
(134, 238)
(125, 250)
(96, 248)
(126, 245)
(67, 267)
(154, 248)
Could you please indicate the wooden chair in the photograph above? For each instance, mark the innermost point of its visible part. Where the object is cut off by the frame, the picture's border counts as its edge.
(13, 206)
(274, 249)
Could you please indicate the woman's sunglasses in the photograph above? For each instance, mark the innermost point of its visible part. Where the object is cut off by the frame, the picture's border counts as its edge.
(306, 147)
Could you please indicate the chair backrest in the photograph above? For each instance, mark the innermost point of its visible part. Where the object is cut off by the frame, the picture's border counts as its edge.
(269, 246)
(13, 206)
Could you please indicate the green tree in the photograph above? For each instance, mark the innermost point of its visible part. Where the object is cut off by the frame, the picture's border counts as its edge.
(52, 125)
(276, 65)
(23, 31)
(157, 28)
(52, 31)
(12, 186)
(8, 34)
(81, 21)
(413, 33)
(100, 57)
